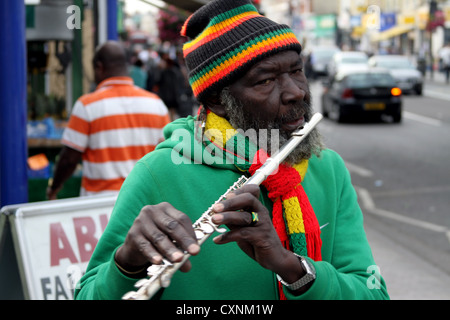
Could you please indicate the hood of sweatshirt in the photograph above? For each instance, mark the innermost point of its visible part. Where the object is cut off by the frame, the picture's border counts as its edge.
(184, 137)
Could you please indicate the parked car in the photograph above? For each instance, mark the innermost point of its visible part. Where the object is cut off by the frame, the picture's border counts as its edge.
(355, 94)
(408, 77)
(348, 60)
(319, 58)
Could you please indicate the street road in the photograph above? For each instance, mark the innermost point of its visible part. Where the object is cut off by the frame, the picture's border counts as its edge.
(401, 171)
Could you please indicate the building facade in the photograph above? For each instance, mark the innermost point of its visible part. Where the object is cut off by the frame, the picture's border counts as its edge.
(417, 28)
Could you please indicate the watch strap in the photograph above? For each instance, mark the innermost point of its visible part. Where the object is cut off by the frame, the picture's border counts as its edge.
(307, 278)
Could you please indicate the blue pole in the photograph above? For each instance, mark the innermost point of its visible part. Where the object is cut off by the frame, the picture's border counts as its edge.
(112, 20)
(13, 104)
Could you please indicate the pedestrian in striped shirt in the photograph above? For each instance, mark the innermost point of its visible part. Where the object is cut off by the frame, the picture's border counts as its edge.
(110, 128)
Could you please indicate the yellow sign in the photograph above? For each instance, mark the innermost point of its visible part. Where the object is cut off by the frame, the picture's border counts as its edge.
(422, 19)
(447, 13)
(358, 32)
(406, 19)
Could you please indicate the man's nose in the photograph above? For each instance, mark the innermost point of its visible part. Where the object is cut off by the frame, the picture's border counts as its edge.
(291, 91)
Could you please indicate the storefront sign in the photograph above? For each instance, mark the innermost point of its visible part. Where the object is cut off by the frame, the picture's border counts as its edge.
(321, 26)
(447, 16)
(387, 21)
(54, 241)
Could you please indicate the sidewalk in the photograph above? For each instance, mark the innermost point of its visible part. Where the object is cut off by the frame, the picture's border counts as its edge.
(407, 276)
(438, 78)
(435, 86)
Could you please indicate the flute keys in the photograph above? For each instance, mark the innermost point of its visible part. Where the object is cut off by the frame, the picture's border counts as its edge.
(132, 295)
(205, 228)
(154, 269)
(165, 280)
(199, 234)
(221, 230)
(141, 283)
(213, 225)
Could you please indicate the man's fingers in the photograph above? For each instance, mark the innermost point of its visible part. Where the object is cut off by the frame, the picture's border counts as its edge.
(147, 249)
(239, 209)
(248, 188)
(169, 231)
(181, 230)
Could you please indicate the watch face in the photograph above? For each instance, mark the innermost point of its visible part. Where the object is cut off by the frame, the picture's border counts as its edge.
(309, 268)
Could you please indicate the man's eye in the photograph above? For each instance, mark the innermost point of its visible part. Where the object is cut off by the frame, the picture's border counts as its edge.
(265, 81)
(297, 71)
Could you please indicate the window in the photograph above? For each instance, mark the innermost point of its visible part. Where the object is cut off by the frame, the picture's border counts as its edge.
(365, 80)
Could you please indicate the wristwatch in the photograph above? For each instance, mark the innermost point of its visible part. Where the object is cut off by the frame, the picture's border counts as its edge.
(307, 278)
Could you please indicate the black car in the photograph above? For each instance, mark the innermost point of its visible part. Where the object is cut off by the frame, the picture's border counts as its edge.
(355, 94)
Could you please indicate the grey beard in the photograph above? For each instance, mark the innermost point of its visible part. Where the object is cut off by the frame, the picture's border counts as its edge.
(243, 121)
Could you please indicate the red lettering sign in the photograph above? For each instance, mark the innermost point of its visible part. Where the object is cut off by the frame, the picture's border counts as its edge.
(85, 229)
(59, 245)
(85, 232)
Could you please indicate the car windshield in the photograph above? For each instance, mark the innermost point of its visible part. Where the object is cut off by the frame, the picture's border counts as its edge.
(354, 59)
(366, 80)
(395, 64)
(323, 55)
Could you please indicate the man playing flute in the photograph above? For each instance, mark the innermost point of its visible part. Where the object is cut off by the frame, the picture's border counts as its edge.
(299, 235)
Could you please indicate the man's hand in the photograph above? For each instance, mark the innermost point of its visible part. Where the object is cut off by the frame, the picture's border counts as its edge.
(259, 241)
(159, 232)
(52, 193)
(65, 167)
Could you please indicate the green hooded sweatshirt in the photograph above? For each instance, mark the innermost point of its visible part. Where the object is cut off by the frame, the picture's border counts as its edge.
(224, 272)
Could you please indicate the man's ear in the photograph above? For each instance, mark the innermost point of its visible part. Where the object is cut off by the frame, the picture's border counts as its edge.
(99, 66)
(213, 103)
(218, 109)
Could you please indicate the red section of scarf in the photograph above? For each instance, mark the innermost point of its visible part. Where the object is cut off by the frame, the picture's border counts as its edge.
(285, 184)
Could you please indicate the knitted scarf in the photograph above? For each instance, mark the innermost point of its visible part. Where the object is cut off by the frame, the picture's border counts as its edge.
(292, 215)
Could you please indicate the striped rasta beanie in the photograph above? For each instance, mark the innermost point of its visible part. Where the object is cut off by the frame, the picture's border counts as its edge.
(226, 38)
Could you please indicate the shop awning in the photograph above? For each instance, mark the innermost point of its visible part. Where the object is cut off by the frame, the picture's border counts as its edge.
(392, 32)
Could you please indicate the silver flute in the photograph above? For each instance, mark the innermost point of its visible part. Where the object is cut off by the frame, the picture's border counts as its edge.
(159, 276)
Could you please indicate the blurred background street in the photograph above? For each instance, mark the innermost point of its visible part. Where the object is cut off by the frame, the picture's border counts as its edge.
(401, 175)
(378, 70)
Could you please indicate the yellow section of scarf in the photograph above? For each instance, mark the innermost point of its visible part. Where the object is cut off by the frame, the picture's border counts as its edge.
(292, 208)
(214, 123)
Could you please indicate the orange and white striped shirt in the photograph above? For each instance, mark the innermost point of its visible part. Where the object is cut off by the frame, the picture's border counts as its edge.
(114, 127)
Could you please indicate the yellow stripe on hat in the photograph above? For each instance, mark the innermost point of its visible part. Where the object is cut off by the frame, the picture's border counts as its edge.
(219, 29)
(233, 62)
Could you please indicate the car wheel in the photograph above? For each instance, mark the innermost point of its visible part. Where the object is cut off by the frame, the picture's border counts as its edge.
(419, 91)
(397, 118)
(335, 113)
(324, 108)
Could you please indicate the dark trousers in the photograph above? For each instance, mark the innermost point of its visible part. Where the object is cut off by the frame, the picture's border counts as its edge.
(447, 74)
